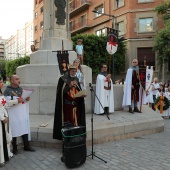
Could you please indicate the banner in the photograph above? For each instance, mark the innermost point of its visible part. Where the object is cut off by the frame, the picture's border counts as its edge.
(145, 76)
(63, 61)
(112, 44)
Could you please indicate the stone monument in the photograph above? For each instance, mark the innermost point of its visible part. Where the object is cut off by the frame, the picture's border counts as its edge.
(42, 73)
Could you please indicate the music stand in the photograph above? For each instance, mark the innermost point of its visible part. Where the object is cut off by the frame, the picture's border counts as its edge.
(92, 152)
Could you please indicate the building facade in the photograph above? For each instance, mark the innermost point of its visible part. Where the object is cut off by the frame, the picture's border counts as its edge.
(2, 48)
(38, 22)
(135, 19)
(19, 45)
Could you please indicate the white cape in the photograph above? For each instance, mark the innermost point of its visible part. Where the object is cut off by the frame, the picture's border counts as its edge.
(128, 89)
(19, 119)
(106, 97)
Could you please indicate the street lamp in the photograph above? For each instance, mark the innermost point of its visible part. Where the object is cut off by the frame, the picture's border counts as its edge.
(111, 31)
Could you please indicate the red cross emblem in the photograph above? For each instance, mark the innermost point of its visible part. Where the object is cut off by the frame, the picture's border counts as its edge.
(3, 101)
(112, 42)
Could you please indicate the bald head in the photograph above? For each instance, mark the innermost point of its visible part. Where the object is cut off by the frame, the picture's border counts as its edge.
(135, 62)
(14, 81)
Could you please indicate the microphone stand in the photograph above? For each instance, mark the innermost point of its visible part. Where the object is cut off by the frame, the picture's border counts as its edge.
(92, 152)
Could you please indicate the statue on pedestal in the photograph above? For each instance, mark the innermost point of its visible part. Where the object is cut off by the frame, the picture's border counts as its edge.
(60, 13)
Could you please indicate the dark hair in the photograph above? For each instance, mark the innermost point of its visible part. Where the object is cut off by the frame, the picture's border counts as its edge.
(0, 78)
(101, 65)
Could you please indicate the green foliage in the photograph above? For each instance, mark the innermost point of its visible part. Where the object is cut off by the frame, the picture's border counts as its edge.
(12, 65)
(163, 10)
(95, 52)
(2, 69)
(162, 39)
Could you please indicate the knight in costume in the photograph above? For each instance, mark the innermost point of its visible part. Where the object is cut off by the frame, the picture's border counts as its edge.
(104, 92)
(18, 114)
(5, 136)
(131, 88)
(68, 108)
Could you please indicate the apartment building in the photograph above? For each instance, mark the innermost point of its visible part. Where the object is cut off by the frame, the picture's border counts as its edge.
(19, 45)
(38, 22)
(2, 47)
(135, 19)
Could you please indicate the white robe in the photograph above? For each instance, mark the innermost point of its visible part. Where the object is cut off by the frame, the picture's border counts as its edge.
(106, 97)
(4, 114)
(128, 89)
(19, 118)
(167, 95)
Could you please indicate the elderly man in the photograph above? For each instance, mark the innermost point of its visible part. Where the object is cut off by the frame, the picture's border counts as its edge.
(131, 88)
(155, 89)
(68, 108)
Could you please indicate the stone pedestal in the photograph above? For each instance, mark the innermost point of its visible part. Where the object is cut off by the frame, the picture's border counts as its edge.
(42, 73)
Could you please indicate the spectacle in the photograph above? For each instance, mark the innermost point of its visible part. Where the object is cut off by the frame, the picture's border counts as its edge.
(134, 62)
(104, 67)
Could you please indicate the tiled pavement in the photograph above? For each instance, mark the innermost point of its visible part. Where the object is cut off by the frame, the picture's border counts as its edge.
(150, 152)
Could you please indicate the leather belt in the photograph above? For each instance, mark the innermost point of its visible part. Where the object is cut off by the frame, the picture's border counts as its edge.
(70, 102)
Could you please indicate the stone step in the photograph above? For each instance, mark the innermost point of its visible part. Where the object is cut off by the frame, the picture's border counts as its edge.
(122, 125)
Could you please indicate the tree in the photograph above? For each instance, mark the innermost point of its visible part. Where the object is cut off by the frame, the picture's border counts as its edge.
(162, 39)
(95, 52)
(11, 66)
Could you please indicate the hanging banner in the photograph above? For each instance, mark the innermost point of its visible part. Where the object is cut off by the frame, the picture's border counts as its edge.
(63, 61)
(145, 76)
(112, 44)
(149, 76)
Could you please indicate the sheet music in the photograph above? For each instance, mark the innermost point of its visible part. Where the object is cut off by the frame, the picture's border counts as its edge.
(26, 93)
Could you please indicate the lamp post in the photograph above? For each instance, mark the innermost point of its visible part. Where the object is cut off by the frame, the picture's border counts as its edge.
(114, 31)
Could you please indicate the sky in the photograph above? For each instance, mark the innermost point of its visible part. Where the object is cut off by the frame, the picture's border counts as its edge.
(13, 15)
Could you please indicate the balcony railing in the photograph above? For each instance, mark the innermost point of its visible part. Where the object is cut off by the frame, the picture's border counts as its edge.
(77, 6)
(80, 26)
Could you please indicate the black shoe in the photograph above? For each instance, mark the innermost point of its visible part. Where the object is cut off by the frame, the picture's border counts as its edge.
(137, 110)
(131, 111)
(15, 151)
(29, 148)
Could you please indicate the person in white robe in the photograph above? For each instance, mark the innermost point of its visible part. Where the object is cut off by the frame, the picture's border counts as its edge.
(18, 114)
(155, 90)
(104, 92)
(5, 135)
(131, 88)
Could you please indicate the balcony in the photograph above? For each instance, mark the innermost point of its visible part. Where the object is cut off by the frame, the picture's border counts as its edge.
(77, 6)
(80, 27)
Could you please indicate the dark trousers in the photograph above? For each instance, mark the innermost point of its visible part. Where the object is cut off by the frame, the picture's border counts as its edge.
(153, 104)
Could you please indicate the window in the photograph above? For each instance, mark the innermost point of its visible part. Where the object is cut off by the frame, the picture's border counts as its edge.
(35, 29)
(145, 0)
(145, 24)
(148, 53)
(36, 15)
(41, 25)
(101, 32)
(82, 20)
(121, 28)
(41, 10)
(118, 3)
(99, 9)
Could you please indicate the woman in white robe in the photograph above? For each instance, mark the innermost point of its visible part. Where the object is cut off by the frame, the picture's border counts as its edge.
(167, 94)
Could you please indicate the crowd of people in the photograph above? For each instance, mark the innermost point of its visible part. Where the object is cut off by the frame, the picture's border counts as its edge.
(70, 103)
